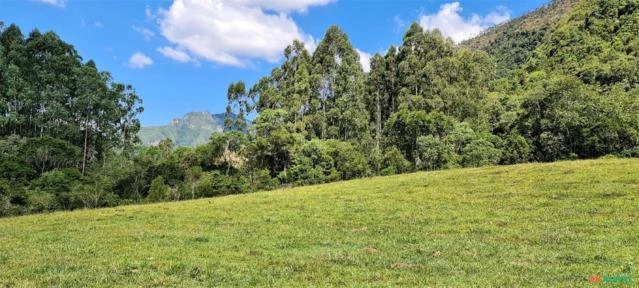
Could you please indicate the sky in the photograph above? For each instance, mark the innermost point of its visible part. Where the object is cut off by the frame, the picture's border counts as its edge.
(181, 55)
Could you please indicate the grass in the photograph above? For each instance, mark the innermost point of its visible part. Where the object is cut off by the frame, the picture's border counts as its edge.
(537, 225)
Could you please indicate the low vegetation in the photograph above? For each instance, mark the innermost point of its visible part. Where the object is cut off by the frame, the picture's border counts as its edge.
(537, 225)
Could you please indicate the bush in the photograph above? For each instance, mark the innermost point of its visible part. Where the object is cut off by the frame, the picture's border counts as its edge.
(480, 152)
(59, 183)
(516, 150)
(216, 184)
(312, 164)
(92, 196)
(393, 162)
(159, 191)
(40, 201)
(347, 160)
(320, 161)
(262, 180)
(432, 153)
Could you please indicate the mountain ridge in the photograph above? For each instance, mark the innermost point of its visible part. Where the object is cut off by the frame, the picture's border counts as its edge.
(193, 129)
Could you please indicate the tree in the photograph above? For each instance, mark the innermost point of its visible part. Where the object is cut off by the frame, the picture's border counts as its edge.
(404, 127)
(516, 149)
(480, 152)
(432, 153)
(192, 176)
(159, 191)
(338, 87)
(394, 162)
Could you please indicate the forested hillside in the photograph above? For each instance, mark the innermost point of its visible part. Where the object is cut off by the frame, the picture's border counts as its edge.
(194, 129)
(558, 84)
(511, 44)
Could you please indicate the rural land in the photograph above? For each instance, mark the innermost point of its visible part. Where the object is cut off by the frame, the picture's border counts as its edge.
(508, 157)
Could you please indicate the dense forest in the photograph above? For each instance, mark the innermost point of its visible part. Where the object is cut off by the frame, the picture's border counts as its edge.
(564, 88)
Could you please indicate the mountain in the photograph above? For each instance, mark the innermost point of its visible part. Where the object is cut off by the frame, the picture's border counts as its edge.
(193, 129)
(513, 43)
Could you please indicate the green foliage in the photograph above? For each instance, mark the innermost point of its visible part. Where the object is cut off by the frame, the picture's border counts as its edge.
(216, 183)
(159, 191)
(40, 201)
(516, 150)
(394, 162)
(480, 152)
(564, 117)
(262, 180)
(59, 183)
(93, 196)
(59, 117)
(559, 83)
(513, 43)
(404, 127)
(433, 153)
(313, 164)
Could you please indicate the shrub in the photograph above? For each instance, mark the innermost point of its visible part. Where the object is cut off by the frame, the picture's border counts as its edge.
(393, 162)
(262, 180)
(159, 191)
(516, 150)
(40, 201)
(480, 152)
(432, 153)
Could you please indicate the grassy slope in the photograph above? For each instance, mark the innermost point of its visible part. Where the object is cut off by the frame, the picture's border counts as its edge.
(526, 225)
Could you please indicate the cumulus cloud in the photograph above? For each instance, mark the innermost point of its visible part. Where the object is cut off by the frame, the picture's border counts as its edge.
(449, 21)
(57, 3)
(175, 54)
(365, 60)
(138, 60)
(234, 32)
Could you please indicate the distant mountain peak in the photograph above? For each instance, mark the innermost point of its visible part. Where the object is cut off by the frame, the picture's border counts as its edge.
(194, 128)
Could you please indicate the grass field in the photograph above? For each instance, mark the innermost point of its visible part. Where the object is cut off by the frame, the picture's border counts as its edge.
(534, 225)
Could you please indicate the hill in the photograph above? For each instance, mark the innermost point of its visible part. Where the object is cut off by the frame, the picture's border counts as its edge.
(536, 225)
(512, 43)
(193, 129)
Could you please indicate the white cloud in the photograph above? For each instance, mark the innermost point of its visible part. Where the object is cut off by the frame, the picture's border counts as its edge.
(145, 32)
(399, 23)
(150, 15)
(175, 54)
(365, 60)
(139, 60)
(98, 24)
(57, 3)
(283, 5)
(449, 21)
(234, 32)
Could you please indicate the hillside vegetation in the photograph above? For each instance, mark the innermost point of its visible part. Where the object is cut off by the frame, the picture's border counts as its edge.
(559, 84)
(512, 43)
(194, 129)
(537, 225)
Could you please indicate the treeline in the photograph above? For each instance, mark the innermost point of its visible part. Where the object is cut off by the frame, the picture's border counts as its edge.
(425, 105)
(59, 118)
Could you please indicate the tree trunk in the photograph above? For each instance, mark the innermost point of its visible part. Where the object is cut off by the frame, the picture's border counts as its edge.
(84, 153)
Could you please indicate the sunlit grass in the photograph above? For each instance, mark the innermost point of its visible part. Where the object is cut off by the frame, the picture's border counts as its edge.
(526, 225)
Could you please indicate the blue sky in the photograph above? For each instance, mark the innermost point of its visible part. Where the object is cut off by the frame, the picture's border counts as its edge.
(180, 55)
